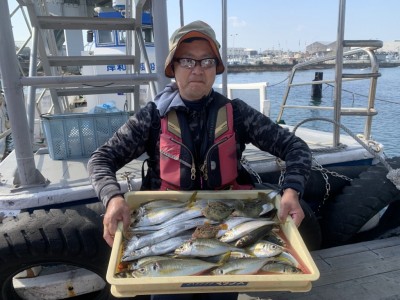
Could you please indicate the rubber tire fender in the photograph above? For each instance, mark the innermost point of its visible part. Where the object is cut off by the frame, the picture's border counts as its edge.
(345, 215)
(64, 236)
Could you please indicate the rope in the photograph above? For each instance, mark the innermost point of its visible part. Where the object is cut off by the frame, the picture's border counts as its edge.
(278, 83)
(393, 174)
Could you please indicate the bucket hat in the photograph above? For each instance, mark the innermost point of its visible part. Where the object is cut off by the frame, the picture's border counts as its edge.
(196, 29)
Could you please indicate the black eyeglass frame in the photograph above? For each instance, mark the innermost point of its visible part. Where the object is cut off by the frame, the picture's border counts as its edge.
(201, 62)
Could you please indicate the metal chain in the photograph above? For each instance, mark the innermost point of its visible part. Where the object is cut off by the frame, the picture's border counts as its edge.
(128, 177)
(324, 172)
(246, 164)
(281, 165)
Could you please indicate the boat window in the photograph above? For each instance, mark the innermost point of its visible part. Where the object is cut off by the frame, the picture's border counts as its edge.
(148, 35)
(121, 37)
(105, 37)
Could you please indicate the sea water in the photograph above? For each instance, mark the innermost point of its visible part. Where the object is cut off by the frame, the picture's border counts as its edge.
(385, 126)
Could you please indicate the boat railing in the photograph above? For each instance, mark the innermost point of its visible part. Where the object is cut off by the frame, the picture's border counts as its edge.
(360, 46)
(369, 111)
(265, 104)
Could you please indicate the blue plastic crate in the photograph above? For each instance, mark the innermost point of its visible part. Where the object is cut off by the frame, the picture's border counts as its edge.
(78, 135)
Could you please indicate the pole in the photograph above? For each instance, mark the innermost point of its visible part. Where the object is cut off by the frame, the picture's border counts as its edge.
(13, 91)
(224, 47)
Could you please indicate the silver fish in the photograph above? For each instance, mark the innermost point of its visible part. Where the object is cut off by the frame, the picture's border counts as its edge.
(168, 203)
(281, 268)
(174, 267)
(163, 234)
(188, 214)
(160, 248)
(232, 222)
(241, 266)
(265, 249)
(253, 236)
(157, 216)
(239, 255)
(243, 229)
(288, 258)
(145, 260)
(204, 248)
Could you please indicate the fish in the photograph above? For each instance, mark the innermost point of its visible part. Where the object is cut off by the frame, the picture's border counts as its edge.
(123, 274)
(208, 231)
(174, 267)
(160, 248)
(157, 216)
(188, 214)
(239, 255)
(274, 237)
(288, 258)
(204, 248)
(242, 266)
(168, 203)
(217, 211)
(281, 268)
(253, 236)
(265, 249)
(138, 263)
(137, 242)
(243, 229)
(232, 222)
(248, 208)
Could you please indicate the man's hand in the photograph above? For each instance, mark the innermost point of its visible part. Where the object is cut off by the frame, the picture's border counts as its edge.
(117, 210)
(290, 205)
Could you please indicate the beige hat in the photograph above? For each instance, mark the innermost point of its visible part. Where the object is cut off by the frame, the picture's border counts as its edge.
(195, 29)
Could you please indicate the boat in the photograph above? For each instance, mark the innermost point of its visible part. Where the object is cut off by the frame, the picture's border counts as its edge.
(51, 224)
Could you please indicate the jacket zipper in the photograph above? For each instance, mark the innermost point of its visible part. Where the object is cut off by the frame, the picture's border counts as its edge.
(192, 167)
(203, 167)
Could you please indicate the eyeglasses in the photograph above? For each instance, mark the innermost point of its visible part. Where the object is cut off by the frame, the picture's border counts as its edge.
(190, 63)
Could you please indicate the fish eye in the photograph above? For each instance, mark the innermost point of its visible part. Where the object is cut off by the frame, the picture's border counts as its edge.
(154, 267)
(219, 272)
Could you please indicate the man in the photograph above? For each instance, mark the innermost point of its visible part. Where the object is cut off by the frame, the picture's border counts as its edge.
(181, 129)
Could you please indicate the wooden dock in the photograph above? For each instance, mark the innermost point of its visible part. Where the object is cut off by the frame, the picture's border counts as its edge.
(368, 271)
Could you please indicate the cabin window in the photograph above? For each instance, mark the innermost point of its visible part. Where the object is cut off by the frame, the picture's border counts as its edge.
(106, 37)
(121, 37)
(148, 35)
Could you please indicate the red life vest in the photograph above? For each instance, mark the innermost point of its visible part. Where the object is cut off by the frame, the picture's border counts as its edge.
(219, 166)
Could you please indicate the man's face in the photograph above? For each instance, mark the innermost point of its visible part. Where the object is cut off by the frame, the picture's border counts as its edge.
(196, 82)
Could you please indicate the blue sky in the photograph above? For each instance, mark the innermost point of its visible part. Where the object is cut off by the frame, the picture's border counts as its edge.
(284, 24)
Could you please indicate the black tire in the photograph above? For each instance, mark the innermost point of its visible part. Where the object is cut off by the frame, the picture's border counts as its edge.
(344, 216)
(309, 228)
(70, 236)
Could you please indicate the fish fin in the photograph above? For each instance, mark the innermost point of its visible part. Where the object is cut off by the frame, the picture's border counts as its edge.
(192, 199)
(223, 226)
(224, 258)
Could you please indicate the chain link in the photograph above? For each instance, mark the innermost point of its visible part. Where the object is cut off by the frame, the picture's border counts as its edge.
(281, 165)
(127, 176)
(325, 172)
(246, 164)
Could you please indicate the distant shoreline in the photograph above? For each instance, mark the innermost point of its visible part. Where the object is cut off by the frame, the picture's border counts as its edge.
(288, 67)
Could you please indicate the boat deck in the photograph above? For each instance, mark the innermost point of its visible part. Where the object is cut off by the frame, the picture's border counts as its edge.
(367, 270)
(68, 179)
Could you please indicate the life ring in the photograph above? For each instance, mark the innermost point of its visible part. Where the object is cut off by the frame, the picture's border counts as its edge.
(344, 216)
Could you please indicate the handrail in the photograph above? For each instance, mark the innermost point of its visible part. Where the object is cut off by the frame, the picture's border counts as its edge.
(373, 75)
